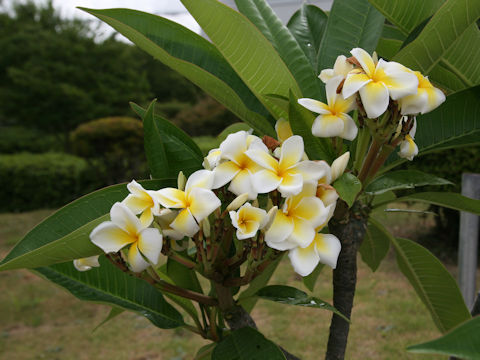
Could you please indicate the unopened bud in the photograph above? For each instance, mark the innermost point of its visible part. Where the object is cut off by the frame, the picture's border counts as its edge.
(181, 181)
(206, 227)
(339, 165)
(237, 202)
(267, 222)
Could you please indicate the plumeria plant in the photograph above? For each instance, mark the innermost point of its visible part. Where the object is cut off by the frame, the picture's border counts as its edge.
(325, 121)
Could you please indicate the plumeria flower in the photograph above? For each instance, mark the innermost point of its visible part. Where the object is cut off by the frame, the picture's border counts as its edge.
(283, 129)
(247, 220)
(126, 229)
(212, 160)
(324, 249)
(141, 201)
(294, 225)
(377, 82)
(238, 168)
(341, 67)
(287, 174)
(408, 148)
(87, 263)
(196, 202)
(333, 119)
(425, 100)
(164, 219)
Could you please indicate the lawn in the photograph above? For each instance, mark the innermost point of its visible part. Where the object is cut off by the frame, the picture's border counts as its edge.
(41, 321)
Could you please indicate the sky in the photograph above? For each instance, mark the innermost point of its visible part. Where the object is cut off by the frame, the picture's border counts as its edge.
(172, 9)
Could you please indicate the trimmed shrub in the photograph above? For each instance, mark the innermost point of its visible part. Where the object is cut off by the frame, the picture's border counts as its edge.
(34, 181)
(113, 146)
(207, 117)
(170, 109)
(15, 139)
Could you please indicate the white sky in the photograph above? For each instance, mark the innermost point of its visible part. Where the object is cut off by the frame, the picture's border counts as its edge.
(171, 9)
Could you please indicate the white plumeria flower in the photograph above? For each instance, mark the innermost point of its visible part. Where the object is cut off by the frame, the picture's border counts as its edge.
(164, 219)
(247, 220)
(141, 201)
(238, 168)
(341, 67)
(283, 129)
(126, 229)
(324, 248)
(196, 202)
(333, 119)
(377, 82)
(408, 148)
(87, 263)
(287, 174)
(339, 165)
(425, 100)
(212, 160)
(295, 224)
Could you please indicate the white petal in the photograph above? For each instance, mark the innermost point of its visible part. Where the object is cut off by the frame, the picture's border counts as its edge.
(312, 170)
(303, 233)
(87, 263)
(326, 74)
(185, 223)
(283, 129)
(262, 158)
(342, 66)
(314, 105)
(135, 188)
(331, 89)
(350, 129)
(291, 152)
(124, 218)
(291, 184)
(354, 82)
(399, 80)
(374, 99)
(435, 98)
(146, 218)
(171, 198)
(200, 178)
(365, 60)
(327, 126)
(202, 203)
(304, 260)
(279, 231)
(265, 181)
(150, 243)
(339, 165)
(328, 248)
(224, 173)
(135, 260)
(110, 238)
(234, 145)
(312, 210)
(242, 183)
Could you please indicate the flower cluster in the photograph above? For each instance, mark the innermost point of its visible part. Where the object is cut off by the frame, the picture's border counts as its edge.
(295, 194)
(376, 88)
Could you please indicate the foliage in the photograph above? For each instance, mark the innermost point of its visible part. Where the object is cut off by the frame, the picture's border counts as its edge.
(34, 181)
(114, 146)
(15, 139)
(206, 117)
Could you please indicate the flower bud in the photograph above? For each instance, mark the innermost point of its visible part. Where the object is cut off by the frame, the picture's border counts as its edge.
(339, 165)
(87, 263)
(237, 202)
(181, 181)
(267, 222)
(206, 227)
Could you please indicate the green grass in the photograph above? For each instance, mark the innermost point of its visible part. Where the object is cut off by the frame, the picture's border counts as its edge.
(41, 321)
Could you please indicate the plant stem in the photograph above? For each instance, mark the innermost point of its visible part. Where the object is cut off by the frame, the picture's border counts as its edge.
(188, 294)
(350, 232)
(371, 156)
(363, 140)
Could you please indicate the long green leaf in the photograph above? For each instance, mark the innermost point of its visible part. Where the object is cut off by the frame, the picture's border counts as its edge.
(65, 235)
(307, 25)
(455, 123)
(109, 285)
(301, 121)
(310, 280)
(450, 200)
(350, 24)
(433, 284)
(193, 57)
(292, 296)
(390, 41)
(246, 49)
(447, 25)
(263, 17)
(375, 244)
(348, 186)
(246, 344)
(168, 149)
(462, 342)
(403, 179)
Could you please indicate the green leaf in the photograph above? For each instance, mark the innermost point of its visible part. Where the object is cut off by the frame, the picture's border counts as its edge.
(65, 234)
(348, 186)
(168, 149)
(292, 296)
(205, 352)
(455, 123)
(107, 284)
(193, 57)
(248, 297)
(301, 121)
(375, 244)
(462, 342)
(307, 25)
(246, 49)
(434, 285)
(446, 199)
(350, 24)
(390, 41)
(114, 312)
(403, 179)
(447, 25)
(246, 344)
(263, 17)
(310, 280)
(183, 276)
